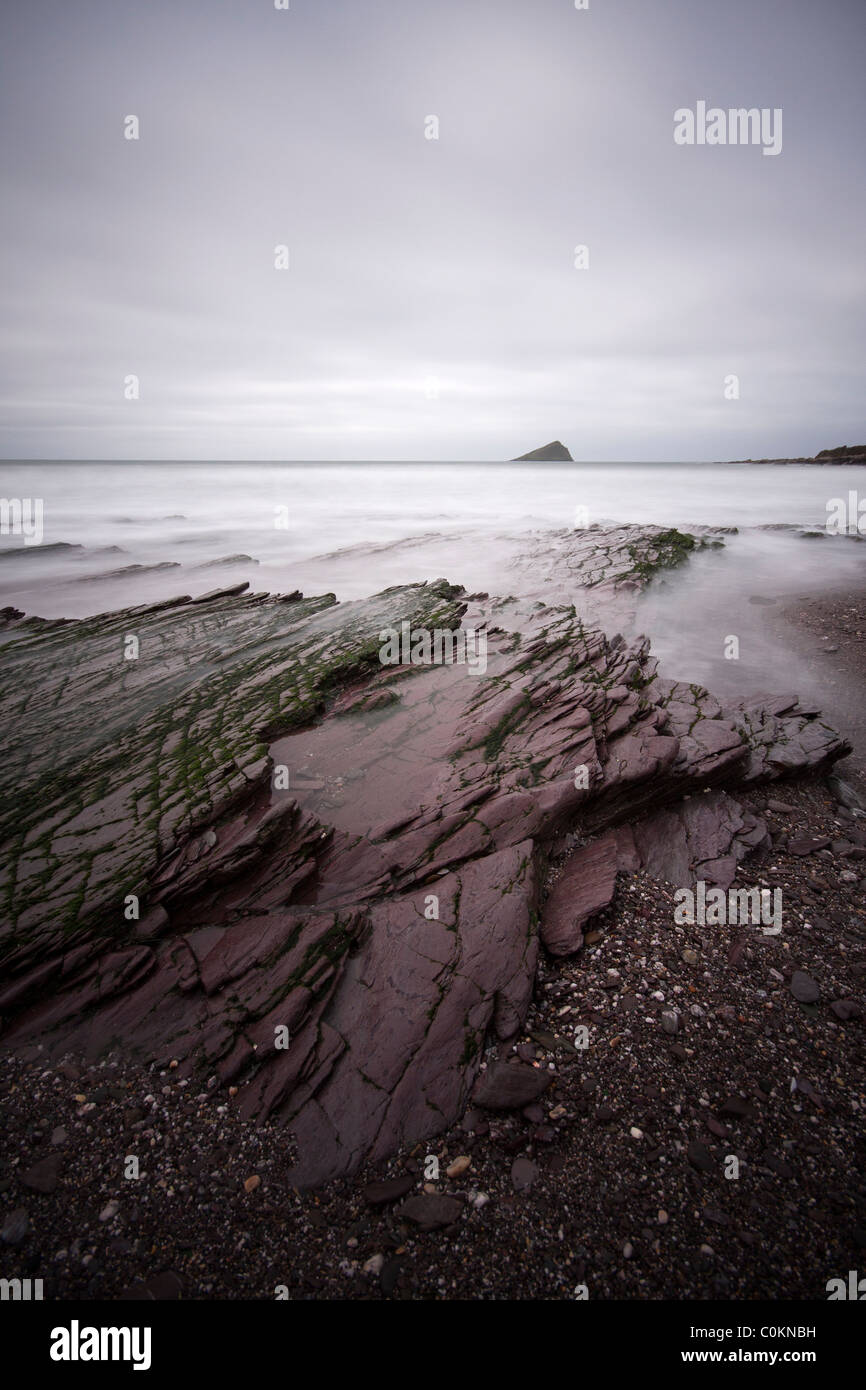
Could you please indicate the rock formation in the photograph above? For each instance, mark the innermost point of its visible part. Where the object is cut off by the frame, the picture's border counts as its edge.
(554, 452)
(342, 962)
(845, 453)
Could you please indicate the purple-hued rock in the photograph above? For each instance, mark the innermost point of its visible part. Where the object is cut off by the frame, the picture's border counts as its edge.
(523, 1174)
(804, 988)
(343, 951)
(380, 1194)
(431, 1211)
(585, 886)
(510, 1086)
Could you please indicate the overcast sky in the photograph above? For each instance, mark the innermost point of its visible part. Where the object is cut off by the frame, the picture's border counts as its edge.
(432, 308)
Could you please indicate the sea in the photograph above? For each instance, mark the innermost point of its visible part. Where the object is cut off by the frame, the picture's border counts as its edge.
(120, 534)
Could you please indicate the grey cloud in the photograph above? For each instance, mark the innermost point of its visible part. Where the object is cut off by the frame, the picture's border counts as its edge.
(413, 259)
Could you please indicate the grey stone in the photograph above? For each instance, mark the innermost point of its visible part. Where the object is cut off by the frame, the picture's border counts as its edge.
(523, 1174)
(804, 988)
(430, 1212)
(510, 1086)
(15, 1226)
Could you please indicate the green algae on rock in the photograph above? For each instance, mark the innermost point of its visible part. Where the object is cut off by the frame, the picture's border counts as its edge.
(389, 938)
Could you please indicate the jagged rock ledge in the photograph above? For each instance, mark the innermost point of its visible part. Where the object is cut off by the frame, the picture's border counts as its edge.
(389, 949)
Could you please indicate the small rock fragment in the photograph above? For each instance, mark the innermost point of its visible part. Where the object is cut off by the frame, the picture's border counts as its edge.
(15, 1226)
(379, 1194)
(700, 1157)
(430, 1212)
(44, 1175)
(459, 1166)
(510, 1086)
(804, 988)
(845, 1009)
(523, 1174)
(802, 845)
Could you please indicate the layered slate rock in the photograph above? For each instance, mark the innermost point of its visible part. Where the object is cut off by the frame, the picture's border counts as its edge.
(703, 838)
(585, 886)
(416, 1004)
(604, 570)
(344, 973)
(112, 762)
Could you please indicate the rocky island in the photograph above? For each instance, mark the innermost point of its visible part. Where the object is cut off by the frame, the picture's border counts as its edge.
(555, 452)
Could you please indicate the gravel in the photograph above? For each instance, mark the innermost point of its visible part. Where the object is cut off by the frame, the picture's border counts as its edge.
(625, 1145)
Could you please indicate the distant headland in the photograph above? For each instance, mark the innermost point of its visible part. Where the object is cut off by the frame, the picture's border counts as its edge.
(845, 453)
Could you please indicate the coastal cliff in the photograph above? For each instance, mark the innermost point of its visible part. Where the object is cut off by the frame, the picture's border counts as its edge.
(845, 453)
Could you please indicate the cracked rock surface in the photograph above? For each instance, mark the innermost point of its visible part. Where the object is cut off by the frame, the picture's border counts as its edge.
(339, 948)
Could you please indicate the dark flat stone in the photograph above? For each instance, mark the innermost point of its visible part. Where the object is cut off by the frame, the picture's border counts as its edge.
(510, 1086)
(432, 1212)
(804, 988)
(44, 1175)
(379, 1194)
(700, 1157)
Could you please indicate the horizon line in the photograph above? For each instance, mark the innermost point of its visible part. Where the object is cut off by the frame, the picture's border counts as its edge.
(311, 462)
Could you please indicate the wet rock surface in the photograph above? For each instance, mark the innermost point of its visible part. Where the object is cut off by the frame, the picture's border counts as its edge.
(341, 955)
